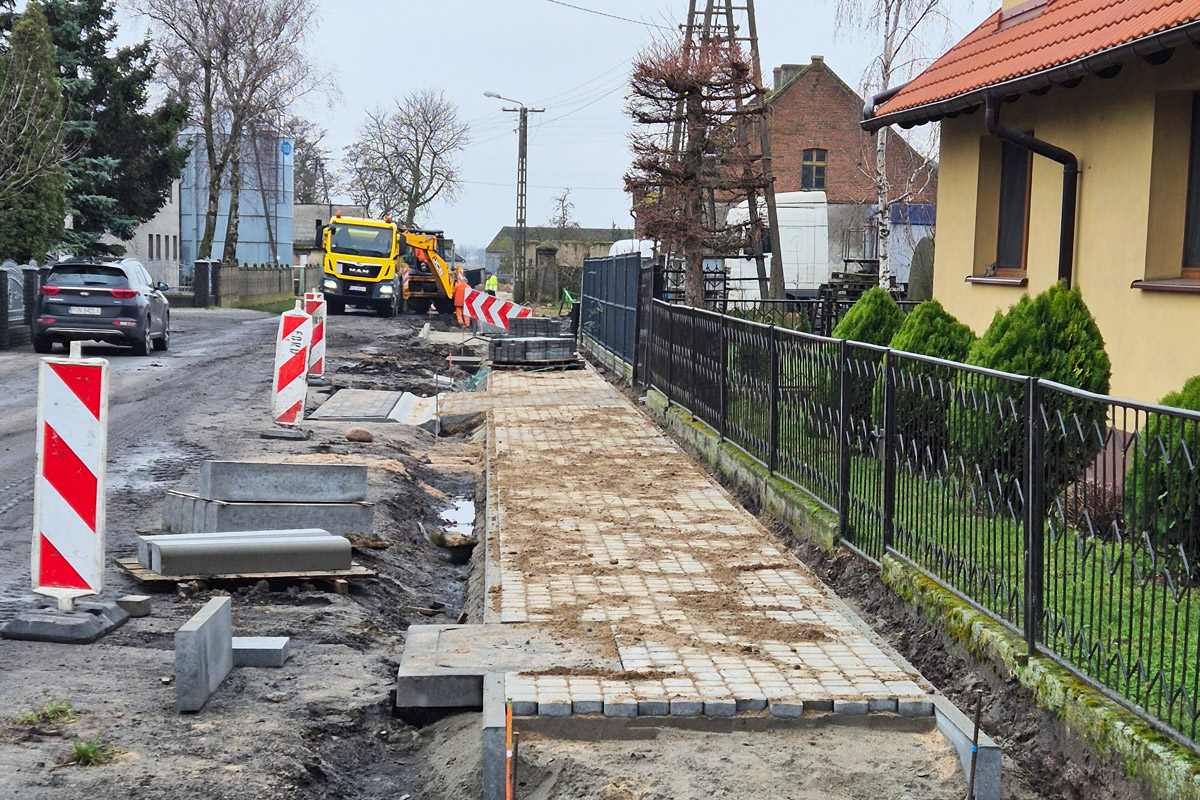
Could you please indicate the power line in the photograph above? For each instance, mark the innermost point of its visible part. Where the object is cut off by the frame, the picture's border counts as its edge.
(610, 16)
(559, 188)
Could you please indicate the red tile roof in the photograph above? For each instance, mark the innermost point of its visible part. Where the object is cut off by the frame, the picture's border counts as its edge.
(1064, 31)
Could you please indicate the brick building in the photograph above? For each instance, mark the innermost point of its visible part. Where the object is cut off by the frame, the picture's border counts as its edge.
(818, 145)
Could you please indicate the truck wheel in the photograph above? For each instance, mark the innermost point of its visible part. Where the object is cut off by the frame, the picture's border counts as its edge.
(387, 309)
(444, 305)
(337, 306)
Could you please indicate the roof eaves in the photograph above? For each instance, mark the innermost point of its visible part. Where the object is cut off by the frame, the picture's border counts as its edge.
(1042, 79)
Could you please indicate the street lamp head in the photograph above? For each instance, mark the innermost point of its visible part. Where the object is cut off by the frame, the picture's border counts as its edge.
(492, 94)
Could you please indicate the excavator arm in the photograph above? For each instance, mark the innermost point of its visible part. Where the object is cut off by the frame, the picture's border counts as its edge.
(428, 245)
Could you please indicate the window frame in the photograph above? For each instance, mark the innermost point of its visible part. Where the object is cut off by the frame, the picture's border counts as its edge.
(1007, 151)
(810, 162)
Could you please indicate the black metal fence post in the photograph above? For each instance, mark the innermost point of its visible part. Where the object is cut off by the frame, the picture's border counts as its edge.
(889, 449)
(1035, 512)
(671, 354)
(693, 406)
(724, 367)
(773, 406)
(843, 484)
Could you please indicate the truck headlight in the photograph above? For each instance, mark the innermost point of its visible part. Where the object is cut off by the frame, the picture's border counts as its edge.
(330, 284)
(386, 289)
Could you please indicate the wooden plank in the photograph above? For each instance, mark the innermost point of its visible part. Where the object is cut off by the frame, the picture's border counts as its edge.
(143, 575)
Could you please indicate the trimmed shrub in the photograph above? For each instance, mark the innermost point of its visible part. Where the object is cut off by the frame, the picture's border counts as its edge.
(873, 319)
(924, 391)
(1162, 483)
(1051, 336)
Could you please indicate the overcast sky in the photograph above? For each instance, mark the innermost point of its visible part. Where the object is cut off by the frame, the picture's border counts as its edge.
(572, 63)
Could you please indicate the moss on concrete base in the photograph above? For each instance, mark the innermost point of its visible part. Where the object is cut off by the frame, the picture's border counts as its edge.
(1163, 766)
(808, 517)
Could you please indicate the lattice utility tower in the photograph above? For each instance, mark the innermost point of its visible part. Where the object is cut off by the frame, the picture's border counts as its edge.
(708, 22)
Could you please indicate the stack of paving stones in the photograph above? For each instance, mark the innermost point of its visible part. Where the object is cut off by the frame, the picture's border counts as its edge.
(531, 340)
(251, 496)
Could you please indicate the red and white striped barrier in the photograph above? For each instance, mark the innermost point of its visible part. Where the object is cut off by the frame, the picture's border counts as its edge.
(289, 388)
(492, 310)
(68, 496)
(314, 306)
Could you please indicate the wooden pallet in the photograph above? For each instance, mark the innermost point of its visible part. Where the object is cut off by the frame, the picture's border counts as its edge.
(337, 577)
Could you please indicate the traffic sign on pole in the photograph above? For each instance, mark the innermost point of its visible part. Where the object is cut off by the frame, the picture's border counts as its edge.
(314, 306)
(289, 387)
(68, 496)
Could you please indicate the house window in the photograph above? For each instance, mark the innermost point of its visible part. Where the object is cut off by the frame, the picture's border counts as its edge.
(1191, 229)
(1013, 224)
(149, 246)
(812, 171)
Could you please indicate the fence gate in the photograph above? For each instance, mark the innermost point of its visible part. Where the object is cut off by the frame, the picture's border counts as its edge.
(610, 304)
(649, 287)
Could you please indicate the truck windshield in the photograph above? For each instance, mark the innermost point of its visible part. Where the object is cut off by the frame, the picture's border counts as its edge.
(361, 240)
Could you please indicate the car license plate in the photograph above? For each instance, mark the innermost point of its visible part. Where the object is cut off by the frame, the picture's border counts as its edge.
(358, 288)
(89, 310)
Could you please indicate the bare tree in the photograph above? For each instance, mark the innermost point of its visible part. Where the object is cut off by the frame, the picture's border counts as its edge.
(900, 28)
(561, 215)
(702, 92)
(240, 64)
(405, 159)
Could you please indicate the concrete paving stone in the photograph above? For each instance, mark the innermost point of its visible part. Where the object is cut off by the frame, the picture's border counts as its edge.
(261, 651)
(850, 707)
(135, 605)
(914, 707)
(653, 708)
(786, 710)
(555, 706)
(724, 707)
(745, 704)
(524, 706)
(620, 707)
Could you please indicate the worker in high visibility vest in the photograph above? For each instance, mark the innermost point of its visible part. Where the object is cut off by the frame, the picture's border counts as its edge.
(460, 297)
(491, 284)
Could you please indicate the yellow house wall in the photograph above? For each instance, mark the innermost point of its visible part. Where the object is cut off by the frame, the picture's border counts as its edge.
(1153, 338)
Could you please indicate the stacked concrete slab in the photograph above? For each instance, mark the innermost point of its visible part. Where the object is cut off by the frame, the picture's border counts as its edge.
(528, 349)
(251, 496)
(529, 327)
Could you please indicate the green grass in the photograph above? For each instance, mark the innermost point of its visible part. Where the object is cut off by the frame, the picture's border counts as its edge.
(54, 712)
(90, 753)
(278, 307)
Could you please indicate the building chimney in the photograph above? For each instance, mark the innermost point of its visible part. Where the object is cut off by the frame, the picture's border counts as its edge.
(786, 72)
(817, 60)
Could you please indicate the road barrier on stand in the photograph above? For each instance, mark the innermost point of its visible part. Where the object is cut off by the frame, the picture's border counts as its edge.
(289, 388)
(314, 306)
(68, 498)
(492, 310)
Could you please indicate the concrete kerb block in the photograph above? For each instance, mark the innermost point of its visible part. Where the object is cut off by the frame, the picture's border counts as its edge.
(495, 743)
(237, 556)
(145, 543)
(882, 705)
(261, 651)
(554, 707)
(724, 707)
(687, 708)
(586, 704)
(621, 707)
(959, 731)
(203, 654)
(746, 704)
(654, 708)
(269, 482)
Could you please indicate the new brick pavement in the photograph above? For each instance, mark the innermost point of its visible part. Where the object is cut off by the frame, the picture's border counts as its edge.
(605, 525)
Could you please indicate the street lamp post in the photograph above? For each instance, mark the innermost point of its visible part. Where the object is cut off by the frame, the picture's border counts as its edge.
(522, 159)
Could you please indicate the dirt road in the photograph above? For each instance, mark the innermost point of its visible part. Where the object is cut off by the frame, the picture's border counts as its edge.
(317, 728)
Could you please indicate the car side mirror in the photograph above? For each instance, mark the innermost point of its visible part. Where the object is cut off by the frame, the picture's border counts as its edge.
(162, 287)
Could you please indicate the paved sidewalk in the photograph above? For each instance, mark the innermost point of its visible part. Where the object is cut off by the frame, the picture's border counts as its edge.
(609, 534)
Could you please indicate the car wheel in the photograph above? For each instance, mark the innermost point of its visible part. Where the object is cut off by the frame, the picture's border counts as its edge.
(42, 345)
(141, 347)
(163, 342)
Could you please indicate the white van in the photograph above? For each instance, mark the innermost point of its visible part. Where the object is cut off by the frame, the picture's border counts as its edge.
(803, 237)
(626, 246)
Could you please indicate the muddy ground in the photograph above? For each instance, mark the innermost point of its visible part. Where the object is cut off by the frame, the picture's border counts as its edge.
(318, 728)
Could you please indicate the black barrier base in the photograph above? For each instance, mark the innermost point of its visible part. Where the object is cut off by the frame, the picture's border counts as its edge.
(91, 619)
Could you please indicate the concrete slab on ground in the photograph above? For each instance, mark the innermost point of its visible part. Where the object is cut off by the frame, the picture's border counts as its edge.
(215, 516)
(357, 405)
(257, 482)
(203, 654)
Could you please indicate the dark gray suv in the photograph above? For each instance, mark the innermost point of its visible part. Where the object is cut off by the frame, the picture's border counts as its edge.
(107, 300)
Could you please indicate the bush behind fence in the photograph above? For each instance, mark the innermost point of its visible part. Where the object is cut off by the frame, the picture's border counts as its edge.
(1071, 518)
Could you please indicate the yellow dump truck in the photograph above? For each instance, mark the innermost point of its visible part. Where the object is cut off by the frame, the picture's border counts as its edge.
(376, 264)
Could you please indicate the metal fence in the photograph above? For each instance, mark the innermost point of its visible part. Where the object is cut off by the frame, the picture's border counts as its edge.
(609, 302)
(1071, 518)
(823, 314)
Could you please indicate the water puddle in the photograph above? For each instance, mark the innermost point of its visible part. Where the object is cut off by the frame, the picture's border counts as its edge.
(460, 517)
